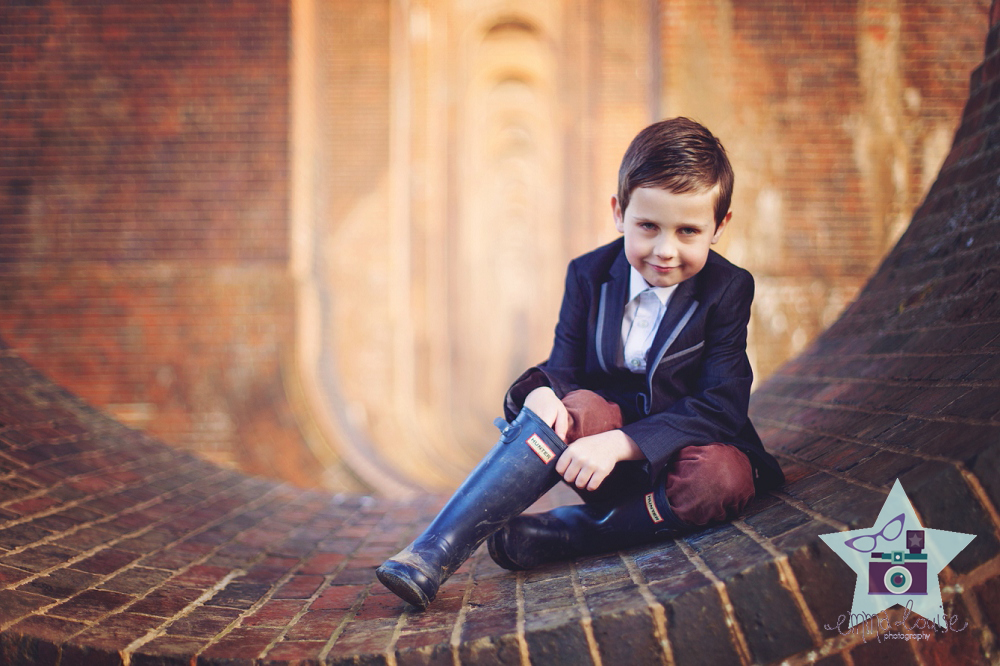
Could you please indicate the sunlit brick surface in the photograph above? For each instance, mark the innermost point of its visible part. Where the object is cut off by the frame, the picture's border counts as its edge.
(115, 549)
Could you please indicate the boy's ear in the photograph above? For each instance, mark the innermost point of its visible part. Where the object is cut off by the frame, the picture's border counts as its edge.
(616, 210)
(721, 227)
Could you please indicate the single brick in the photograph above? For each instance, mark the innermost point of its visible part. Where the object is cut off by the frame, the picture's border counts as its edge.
(776, 519)
(15, 604)
(696, 624)
(239, 595)
(485, 621)
(53, 630)
(106, 561)
(296, 652)
(299, 587)
(734, 555)
(137, 580)
(370, 637)
(166, 601)
(168, 651)
(826, 583)
(337, 597)
(557, 637)
(945, 501)
(91, 605)
(315, 625)
(771, 622)
(240, 645)
(627, 636)
(495, 650)
(61, 583)
(274, 613)
(116, 632)
(204, 621)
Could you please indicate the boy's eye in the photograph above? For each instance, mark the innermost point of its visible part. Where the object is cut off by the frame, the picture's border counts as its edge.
(688, 231)
(647, 226)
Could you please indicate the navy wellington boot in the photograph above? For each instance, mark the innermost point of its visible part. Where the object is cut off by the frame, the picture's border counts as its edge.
(517, 471)
(585, 529)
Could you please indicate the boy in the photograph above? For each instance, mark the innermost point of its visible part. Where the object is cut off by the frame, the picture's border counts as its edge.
(642, 404)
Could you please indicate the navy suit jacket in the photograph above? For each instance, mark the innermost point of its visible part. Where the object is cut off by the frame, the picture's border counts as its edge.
(696, 388)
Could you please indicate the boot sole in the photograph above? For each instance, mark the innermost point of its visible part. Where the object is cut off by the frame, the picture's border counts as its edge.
(402, 586)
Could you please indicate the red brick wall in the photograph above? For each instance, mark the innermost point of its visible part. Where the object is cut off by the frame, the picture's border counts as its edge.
(144, 179)
(143, 197)
(837, 116)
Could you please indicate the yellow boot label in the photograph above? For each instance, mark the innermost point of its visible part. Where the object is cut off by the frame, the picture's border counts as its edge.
(538, 446)
(651, 508)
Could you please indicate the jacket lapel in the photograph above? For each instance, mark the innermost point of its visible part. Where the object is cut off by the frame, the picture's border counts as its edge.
(679, 311)
(609, 313)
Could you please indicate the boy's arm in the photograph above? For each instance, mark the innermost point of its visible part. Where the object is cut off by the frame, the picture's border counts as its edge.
(717, 410)
(569, 349)
(588, 461)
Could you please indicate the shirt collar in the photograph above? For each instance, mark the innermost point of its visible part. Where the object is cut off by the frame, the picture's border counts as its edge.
(638, 284)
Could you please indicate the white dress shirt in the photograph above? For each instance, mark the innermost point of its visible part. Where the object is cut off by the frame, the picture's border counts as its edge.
(642, 318)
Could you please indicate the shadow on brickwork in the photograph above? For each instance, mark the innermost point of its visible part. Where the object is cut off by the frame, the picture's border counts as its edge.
(116, 549)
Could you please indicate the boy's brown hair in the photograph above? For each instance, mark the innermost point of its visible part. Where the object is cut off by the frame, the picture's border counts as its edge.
(680, 156)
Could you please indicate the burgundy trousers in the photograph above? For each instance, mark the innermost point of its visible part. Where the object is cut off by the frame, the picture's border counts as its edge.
(705, 484)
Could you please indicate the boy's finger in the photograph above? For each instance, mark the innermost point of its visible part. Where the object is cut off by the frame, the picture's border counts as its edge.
(563, 463)
(572, 472)
(561, 424)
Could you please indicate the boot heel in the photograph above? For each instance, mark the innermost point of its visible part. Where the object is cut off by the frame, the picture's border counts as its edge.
(399, 579)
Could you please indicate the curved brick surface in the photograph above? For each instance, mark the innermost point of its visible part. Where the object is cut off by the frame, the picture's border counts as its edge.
(115, 549)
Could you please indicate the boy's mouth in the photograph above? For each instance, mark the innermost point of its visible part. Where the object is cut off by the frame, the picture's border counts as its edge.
(663, 269)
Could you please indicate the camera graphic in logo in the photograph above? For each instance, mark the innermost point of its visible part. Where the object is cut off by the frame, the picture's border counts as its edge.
(896, 571)
(900, 572)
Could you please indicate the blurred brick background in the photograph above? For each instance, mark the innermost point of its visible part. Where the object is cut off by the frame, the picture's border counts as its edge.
(303, 238)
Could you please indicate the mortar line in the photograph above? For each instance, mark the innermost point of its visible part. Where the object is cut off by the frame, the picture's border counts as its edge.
(786, 576)
(799, 402)
(81, 500)
(455, 639)
(522, 641)
(586, 621)
(735, 630)
(182, 570)
(184, 612)
(47, 463)
(344, 621)
(238, 621)
(886, 381)
(831, 472)
(655, 608)
(390, 650)
(812, 513)
(356, 606)
(980, 493)
(111, 543)
(326, 584)
(190, 608)
(131, 565)
(878, 446)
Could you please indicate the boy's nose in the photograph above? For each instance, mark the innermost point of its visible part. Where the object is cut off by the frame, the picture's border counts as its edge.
(665, 249)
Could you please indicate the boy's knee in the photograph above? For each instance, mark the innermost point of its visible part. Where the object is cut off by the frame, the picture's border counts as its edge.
(590, 414)
(711, 483)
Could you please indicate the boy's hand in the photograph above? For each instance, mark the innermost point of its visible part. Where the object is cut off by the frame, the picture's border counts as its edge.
(549, 408)
(589, 460)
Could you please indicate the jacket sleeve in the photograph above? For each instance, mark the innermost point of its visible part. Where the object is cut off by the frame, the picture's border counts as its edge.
(566, 362)
(717, 409)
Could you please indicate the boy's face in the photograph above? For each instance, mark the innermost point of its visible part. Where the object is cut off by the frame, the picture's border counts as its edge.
(667, 235)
